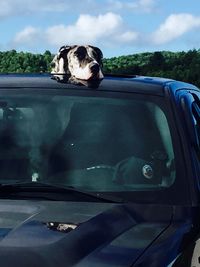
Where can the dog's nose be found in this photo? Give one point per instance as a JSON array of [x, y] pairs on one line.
[[94, 68]]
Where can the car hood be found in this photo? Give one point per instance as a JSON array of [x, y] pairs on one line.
[[48, 233]]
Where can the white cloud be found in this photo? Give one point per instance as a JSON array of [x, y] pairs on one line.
[[29, 36], [146, 5], [107, 29], [128, 37], [25, 7], [10, 8], [175, 26], [5, 8], [137, 5], [91, 29]]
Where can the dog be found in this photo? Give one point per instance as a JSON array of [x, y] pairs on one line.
[[78, 64]]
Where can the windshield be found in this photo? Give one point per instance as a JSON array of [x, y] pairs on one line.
[[96, 144]]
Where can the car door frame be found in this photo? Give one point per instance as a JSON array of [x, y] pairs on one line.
[[190, 108]]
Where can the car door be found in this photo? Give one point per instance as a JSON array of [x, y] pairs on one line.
[[190, 107], [196, 120], [190, 103]]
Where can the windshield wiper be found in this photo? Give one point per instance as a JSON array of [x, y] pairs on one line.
[[7, 190]]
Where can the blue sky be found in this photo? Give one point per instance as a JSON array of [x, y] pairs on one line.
[[118, 27]]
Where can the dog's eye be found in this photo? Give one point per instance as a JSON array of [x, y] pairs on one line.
[[79, 55]]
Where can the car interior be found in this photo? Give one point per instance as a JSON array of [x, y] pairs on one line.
[[95, 144]]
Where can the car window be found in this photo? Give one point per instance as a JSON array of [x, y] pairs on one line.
[[96, 144]]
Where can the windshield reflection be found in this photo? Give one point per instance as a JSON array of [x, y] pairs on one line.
[[95, 144]]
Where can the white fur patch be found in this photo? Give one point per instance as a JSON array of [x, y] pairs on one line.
[[85, 73]]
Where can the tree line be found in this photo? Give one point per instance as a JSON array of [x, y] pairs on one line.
[[24, 62], [184, 66]]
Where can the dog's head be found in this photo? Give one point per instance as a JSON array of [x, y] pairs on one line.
[[80, 62]]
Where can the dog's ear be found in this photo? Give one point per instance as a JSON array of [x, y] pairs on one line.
[[62, 54], [98, 52], [63, 51]]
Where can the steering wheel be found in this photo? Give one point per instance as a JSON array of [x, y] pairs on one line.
[[100, 167]]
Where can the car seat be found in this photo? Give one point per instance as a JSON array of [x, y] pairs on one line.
[[14, 159], [101, 134]]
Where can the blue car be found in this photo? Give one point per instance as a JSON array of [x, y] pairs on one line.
[[103, 175]]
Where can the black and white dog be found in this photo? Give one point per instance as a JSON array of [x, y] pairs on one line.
[[78, 64]]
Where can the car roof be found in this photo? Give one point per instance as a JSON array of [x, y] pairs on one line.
[[113, 83]]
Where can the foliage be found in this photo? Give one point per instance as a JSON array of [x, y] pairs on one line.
[[184, 66], [14, 62]]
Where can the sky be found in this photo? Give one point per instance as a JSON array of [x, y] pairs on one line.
[[117, 27]]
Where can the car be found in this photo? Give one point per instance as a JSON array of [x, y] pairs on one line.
[[99, 175]]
